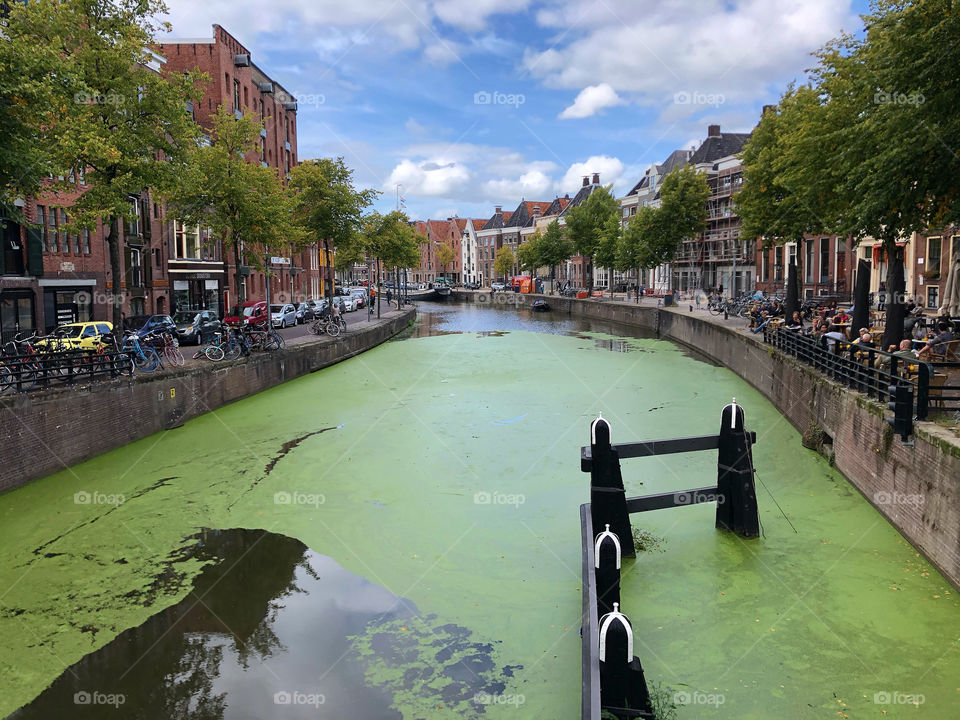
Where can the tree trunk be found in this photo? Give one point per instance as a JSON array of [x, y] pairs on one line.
[[896, 289], [113, 244], [237, 264], [791, 305], [328, 291], [588, 265]]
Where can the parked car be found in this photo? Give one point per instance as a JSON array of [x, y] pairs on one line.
[[305, 312], [283, 315], [195, 328], [471, 286], [348, 303], [360, 295], [251, 312], [145, 324], [498, 286], [76, 336]]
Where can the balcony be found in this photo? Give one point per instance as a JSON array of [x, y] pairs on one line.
[[266, 88], [242, 60]]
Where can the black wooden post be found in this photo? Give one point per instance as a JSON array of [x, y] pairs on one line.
[[622, 683], [608, 501], [607, 555], [736, 492]]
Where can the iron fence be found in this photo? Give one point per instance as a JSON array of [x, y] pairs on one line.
[[24, 372]]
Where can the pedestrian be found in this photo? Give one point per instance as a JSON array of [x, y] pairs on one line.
[[336, 312], [389, 296]]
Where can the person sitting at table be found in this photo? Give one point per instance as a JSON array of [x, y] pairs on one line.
[[905, 352], [841, 317], [865, 338], [797, 322], [942, 338], [831, 337]]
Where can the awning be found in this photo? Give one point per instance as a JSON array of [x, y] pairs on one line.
[[880, 256]]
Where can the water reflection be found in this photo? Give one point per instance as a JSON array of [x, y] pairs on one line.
[[266, 619]]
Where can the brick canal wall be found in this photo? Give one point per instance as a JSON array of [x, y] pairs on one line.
[[916, 488], [43, 432]]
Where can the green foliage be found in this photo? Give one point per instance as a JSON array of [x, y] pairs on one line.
[[662, 701], [113, 118], [504, 262], [654, 235], [326, 204], [390, 238], [243, 203], [605, 254], [587, 223], [443, 254], [529, 253], [545, 249]]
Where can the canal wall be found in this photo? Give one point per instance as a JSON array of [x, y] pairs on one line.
[[917, 488], [47, 431]]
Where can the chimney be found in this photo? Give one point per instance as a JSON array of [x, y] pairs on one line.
[[536, 211], [596, 178], [498, 210], [586, 180], [713, 131]]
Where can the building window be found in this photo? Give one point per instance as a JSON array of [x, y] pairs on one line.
[[246, 96], [288, 161], [186, 241], [42, 222], [86, 241], [764, 265], [136, 269], [934, 246], [263, 150], [236, 95], [54, 234], [808, 261], [933, 296], [824, 259]]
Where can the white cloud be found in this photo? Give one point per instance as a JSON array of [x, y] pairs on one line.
[[415, 128], [473, 14], [428, 178], [609, 168], [591, 100], [442, 53], [736, 49], [531, 185]]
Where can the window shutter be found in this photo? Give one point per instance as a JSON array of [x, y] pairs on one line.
[[34, 252]]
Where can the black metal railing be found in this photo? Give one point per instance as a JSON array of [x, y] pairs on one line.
[[24, 372], [865, 369]]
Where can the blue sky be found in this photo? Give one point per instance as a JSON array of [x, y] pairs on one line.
[[470, 104]]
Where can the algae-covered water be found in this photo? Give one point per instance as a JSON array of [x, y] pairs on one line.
[[397, 536]]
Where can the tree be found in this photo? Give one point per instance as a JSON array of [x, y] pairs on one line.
[[390, 238], [555, 247], [36, 89], [586, 223], [243, 203], [504, 261], [606, 253], [529, 254], [683, 205], [327, 206], [125, 127], [639, 245], [770, 210], [444, 255]]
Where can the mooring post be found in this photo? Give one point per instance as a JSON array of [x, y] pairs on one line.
[[608, 500], [622, 683], [607, 567], [736, 491]]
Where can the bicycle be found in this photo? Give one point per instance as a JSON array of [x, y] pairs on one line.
[[144, 357], [170, 349], [326, 324]]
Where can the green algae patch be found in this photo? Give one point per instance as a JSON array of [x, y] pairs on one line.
[[429, 666]]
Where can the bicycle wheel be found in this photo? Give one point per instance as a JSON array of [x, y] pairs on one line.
[[274, 341], [214, 353], [123, 364], [7, 382], [174, 355], [147, 360], [231, 350], [332, 329]]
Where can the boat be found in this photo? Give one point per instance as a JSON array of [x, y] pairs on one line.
[[441, 288], [540, 305]]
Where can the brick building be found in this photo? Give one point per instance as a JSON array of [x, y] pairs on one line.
[[198, 271], [828, 267]]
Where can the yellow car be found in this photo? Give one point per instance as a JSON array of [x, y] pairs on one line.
[[75, 336]]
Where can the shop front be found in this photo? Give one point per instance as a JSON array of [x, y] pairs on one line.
[[67, 301], [196, 291]]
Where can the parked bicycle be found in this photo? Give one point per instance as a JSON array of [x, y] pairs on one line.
[[325, 325], [166, 346], [144, 357]]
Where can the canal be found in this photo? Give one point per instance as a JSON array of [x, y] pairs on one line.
[[397, 536]]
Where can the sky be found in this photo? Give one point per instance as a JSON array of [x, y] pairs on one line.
[[470, 104]]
